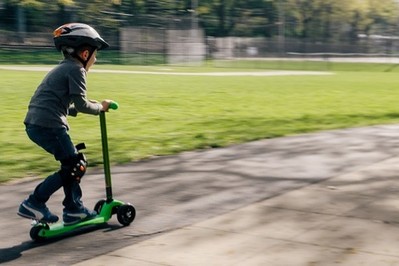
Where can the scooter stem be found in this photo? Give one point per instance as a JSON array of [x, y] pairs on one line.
[[104, 141]]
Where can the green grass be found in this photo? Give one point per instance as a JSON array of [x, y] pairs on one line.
[[165, 114], [37, 56]]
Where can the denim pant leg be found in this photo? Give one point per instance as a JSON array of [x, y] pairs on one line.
[[57, 142]]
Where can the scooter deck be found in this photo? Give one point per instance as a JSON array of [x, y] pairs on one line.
[[52, 230], [46, 230]]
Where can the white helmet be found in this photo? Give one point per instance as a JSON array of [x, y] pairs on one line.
[[78, 34]]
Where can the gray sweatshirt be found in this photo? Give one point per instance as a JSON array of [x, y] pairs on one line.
[[61, 93]]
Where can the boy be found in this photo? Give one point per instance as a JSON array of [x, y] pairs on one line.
[[61, 93]]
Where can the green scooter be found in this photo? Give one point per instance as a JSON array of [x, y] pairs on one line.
[[105, 208]]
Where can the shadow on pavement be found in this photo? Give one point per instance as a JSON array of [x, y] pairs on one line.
[[15, 252]]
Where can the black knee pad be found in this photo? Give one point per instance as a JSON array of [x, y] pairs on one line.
[[79, 168], [73, 169]]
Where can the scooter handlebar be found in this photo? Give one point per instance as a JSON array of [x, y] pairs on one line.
[[113, 105]]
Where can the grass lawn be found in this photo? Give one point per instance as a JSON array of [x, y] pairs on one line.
[[165, 114]]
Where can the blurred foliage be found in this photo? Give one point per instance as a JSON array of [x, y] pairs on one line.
[[332, 20]]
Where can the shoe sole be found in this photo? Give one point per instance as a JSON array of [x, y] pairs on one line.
[[34, 214], [34, 218], [27, 216]]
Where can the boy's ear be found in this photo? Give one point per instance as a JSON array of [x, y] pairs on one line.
[[84, 54]]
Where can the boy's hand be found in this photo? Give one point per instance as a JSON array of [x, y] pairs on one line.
[[105, 104]]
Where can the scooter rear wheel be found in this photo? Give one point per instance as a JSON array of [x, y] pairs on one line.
[[34, 232], [126, 214]]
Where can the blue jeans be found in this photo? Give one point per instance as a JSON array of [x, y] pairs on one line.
[[57, 142]]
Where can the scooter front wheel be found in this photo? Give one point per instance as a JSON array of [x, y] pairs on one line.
[[126, 214]]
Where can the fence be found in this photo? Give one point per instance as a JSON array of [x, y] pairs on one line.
[[147, 46]]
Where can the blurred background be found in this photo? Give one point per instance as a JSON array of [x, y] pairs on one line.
[[215, 32]]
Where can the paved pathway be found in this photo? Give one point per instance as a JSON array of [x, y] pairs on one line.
[[328, 198]]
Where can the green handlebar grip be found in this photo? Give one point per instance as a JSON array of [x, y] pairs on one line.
[[113, 105]]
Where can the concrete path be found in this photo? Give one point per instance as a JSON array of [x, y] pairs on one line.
[[348, 219]]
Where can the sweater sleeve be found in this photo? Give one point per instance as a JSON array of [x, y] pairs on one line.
[[83, 105]]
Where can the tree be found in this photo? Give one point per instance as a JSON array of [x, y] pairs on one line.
[[238, 17], [331, 20], [315, 20], [255, 18], [33, 15]]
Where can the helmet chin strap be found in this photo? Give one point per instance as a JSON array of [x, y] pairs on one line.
[[84, 63]]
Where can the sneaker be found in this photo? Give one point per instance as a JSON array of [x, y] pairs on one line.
[[36, 212], [73, 217]]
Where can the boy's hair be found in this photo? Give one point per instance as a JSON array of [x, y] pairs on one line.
[[74, 52]]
